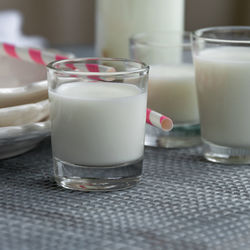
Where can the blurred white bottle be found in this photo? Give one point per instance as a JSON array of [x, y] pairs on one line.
[[118, 20]]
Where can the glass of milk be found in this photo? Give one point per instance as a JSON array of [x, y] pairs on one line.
[[222, 69], [171, 89], [98, 113]]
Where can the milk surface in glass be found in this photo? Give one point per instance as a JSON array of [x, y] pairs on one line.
[[223, 85], [98, 124]]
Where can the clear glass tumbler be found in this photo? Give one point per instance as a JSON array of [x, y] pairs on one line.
[[222, 68], [98, 113], [171, 89]]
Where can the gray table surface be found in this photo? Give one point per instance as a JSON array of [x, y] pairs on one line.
[[182, 202]]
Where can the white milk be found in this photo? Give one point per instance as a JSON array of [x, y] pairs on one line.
[[223, 85], [118, 20], [171, 91], [98, 124]]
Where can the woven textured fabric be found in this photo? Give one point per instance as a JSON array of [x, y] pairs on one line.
[[183, 202]]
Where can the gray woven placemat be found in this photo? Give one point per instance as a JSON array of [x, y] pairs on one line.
[[183, 202]]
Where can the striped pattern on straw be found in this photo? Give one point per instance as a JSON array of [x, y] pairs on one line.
[[44, 57], [158, 120], [29, 54]]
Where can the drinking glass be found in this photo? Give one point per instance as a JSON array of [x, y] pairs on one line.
[[222, 68], [98, 113], [171, 89]]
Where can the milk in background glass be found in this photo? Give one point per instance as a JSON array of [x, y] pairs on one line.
[[97, 124], [222, 76], [171, 88], [223, 85], [171, 91]]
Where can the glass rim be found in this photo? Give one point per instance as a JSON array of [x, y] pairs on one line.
[[136, 38], [198, 34], [51, 66]]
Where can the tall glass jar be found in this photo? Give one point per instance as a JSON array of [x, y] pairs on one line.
[[118, 20]]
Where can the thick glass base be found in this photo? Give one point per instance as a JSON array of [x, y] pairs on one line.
[[97, 178], [179, 137], [226, 155]]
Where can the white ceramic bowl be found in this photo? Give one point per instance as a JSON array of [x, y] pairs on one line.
[[23, 84], [15, 140]]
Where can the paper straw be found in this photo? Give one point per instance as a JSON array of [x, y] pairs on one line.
[[29, 54], [43, 57], [158, 120]]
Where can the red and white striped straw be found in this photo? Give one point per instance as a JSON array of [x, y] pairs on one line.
[[29, 54], [44, 57], [158, 120]]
